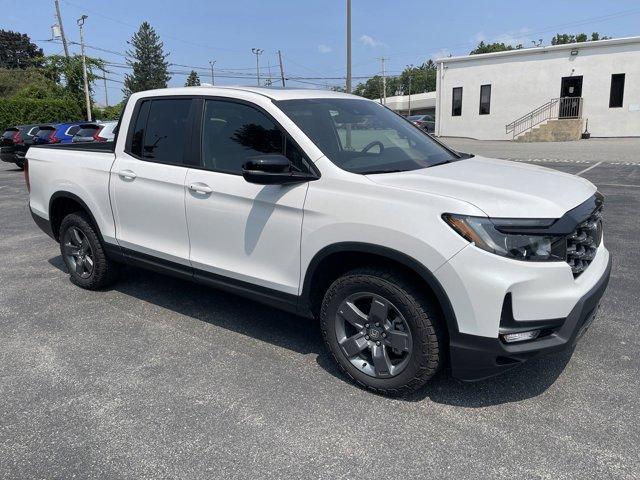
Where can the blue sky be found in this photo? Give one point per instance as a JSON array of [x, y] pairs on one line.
[[311, 33]]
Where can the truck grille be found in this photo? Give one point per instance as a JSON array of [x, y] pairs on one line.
[[584, 241]]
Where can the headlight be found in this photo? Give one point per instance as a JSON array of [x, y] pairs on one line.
[[486, 234]]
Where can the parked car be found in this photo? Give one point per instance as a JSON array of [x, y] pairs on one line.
[[56, 133], [46, 134], [95, 132], [107, 134], [412, 256], [426, 122], [14, 143]]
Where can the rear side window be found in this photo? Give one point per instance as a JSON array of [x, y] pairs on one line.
[[234, 132], [161, 130], [73, 130], [87, 131], [45, 132]]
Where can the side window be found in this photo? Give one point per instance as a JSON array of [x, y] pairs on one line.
[[138, 130], [165, 134], [73, 130], [616, 95], [233, 132], [456, 102], [485, 99]]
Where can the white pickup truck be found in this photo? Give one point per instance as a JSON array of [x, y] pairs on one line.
[[413, 257]]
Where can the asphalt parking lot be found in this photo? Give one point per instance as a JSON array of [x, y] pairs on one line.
[[160, 378]]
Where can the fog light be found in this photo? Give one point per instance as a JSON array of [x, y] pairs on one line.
[[520, 336]]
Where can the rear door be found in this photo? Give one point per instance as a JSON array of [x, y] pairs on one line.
[[238, 229], [147, 180]]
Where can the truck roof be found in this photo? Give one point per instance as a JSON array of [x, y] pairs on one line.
[[274, 93]]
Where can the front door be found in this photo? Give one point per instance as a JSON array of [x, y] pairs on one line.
[[570, 94], [147, 181], [238, 229]]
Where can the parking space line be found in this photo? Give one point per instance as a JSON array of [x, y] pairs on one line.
[[617, 185], [588, 168]]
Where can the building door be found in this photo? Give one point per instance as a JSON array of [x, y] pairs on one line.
[[570, 97]]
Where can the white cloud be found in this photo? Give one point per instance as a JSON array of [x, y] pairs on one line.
[[521, 36], [369, 41], [322, 48], [479, 37], [442, 53]]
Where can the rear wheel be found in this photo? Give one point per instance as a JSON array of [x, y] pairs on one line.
[[382, 331], [83, 253]]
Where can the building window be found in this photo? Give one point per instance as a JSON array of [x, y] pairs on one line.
[[617, 90], [485, 99], [456, 104]]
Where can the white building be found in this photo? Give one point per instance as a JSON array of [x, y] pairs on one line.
[[415, 104], [479, 95]]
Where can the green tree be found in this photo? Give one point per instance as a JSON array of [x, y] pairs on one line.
[[14, 80], [493, 47], [423, 79], [564, 38], [193, 80], [148, 60], [68, 73], [17, 50]]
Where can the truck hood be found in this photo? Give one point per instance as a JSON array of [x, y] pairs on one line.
[[500, 188]]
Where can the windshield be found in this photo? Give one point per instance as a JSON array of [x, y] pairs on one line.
[[362, 136]]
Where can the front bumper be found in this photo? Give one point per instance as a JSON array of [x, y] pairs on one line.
[[476, 357]]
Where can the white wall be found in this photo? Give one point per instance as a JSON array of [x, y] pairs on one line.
[[525, 81]]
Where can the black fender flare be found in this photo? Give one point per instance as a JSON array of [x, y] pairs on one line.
[[77, 199], [391, 254]]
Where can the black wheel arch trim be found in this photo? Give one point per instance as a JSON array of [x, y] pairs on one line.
[[75, 198], [385, 252]]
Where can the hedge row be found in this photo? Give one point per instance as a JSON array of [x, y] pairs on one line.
[[25, 111]]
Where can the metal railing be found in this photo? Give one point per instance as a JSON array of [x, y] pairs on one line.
[[565, 107]]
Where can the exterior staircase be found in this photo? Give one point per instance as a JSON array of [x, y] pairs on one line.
[[558, 120], [559, 130]]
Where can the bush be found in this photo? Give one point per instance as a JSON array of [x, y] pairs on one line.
[[25, 111], [111, 112]]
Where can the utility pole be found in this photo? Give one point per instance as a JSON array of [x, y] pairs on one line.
[[409, 114], [212, 63], [257, 52], [281, 67], [84, 66], [384, 83], [348, 85], [106, 95], [64, 39], [269, 82]]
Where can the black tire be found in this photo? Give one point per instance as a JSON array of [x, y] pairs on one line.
[[425, 328], [103, 271], [20, 165]]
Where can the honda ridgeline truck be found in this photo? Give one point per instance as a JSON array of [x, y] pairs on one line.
[[413, 257]]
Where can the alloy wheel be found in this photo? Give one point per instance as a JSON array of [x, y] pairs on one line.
[[373, 335], [78, 254]]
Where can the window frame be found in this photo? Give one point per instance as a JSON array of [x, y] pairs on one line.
[[488, 104], [624, 78], [453, 100], [197, 141], [187, 148]]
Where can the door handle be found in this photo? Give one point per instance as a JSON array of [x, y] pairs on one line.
[[127, 174], [200, 188]]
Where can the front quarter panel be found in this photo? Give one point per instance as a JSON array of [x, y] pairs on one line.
[[346, 207]]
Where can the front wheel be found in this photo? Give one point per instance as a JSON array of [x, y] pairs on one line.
[[382, 331]]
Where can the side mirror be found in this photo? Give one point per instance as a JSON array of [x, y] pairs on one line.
[[274, 169]]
